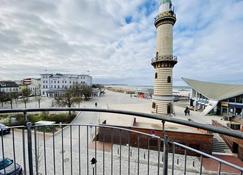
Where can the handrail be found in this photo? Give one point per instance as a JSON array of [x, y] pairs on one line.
[[165, 57], [224, 131], [103, 126], [153, 136], [208, 155]]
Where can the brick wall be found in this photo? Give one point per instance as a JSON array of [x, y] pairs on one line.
[[202, 142], [230, 141]]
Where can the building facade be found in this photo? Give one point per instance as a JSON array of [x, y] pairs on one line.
[[216, 98], [8, 86], [55, 84], [164, 60], [33, 84]]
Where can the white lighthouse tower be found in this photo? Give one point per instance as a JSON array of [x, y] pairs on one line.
[[164, 60]]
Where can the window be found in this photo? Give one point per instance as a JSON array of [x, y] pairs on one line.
[[168, 79], [156, 75], [169, 111], [153, 105]]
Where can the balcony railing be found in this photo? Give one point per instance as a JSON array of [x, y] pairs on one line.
[[102, 149], [163, 58]]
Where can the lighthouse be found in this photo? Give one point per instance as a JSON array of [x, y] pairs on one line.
[[164, 60]]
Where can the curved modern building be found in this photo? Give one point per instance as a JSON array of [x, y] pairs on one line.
[[216, 98], [164, 60]]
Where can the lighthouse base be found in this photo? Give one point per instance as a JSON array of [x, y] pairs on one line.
[[162, 105]]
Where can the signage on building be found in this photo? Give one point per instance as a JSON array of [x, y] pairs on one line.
[[225, 104]]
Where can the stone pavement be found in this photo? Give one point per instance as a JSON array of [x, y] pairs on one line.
[[110, 100]]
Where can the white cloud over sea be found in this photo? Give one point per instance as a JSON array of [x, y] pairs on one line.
[[115, 40]]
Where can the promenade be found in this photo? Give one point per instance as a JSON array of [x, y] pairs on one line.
[[111, 100]]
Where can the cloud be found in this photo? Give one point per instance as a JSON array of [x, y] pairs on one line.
[[115, 40], [208, 43]]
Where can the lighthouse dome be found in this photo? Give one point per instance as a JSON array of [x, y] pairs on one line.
[[165, 1], [166, 5]]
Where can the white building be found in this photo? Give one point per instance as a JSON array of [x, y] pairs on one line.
[[8, 86], [54, 84], [33, 84]]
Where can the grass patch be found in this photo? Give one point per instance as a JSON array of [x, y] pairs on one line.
[[57, 118]]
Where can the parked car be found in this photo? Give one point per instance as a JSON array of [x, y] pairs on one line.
[[4, 129], [10, 167]]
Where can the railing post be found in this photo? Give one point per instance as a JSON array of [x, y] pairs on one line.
[[165, 163], [28, 126], [165, 149], [25, 117]]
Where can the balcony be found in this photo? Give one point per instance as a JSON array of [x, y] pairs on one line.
[[103, 149], [165, 17], [166, 60]]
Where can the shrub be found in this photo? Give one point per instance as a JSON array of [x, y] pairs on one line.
[[58, 118]]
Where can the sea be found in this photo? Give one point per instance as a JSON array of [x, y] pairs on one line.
[[177, 90]]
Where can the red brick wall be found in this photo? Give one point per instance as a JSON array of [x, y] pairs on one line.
[[230, 140], [202, 142]]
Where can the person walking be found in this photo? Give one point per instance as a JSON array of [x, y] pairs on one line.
[[188, 111], [185, 111]]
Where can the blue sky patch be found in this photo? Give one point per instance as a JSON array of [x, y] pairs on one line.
[[128, 19], [148, 7]]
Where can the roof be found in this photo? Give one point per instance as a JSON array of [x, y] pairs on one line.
[[215, 91], [165, 1], [5, 84], [57, 75]]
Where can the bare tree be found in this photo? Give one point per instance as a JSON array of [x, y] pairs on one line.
[[69, 97], [87, 91], [15, 96], [2, 97], [25, 95], [12, 96], [38, 99]]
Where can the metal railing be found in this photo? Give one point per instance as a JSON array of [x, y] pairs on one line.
[[101, 149], [164, 58]]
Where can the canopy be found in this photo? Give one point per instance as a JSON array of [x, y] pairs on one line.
[[215, 91]]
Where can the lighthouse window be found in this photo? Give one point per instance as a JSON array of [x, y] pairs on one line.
[[156, 75], [153, 105], [168, 108], [168, 79]]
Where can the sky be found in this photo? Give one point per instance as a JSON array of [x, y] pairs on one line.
[[114, 40]]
